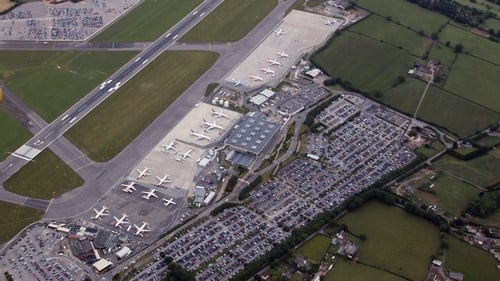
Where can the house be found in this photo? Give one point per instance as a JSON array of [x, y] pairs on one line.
[[301, 263], [456, 276]]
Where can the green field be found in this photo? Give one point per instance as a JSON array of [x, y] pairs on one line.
[[476, 264], [396, 241], [473, 44], [381, 29], [14, 218], [14, 134], [475, 80], [36, 79], [315, 249], [452, 194], [481, 5], [346, 270], [359, 60], [406, 13], [443, 54], [136, 104], [488, 141], [481, 170], [147, 21], [231, 21], [45, 178], [434, 148], [492, 23]]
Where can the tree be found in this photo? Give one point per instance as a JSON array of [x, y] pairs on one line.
[[434, 36], [362, 237], [459, 48]]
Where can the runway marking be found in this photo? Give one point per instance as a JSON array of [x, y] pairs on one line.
[[177, 35], [10, 165], [72, 120], [202, 14], [64, 118], [168, 34], [48, 135], [195, 12], [22, 157]]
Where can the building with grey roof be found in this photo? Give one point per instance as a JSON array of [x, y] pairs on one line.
[[251, 135]]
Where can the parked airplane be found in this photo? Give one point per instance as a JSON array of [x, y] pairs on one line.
[[168, 202], [129, 188], [143, 173], [121, 221], [212, 125], [143, 228], [238, 82], [200, 135], [101, 213], [170, 146], [163, 180], [219, 114], [330, 22], [279, 32], [187, 154], [274, 62], [282, 54], [256, 77], [149, 194], [267, 71]]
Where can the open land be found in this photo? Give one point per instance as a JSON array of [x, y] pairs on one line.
[[406, 13], [232, 20], [137, 103], [16, 136], [434, 148], [348, 270], [314, 250], [33, 179], [489, 141], [15, 218], [445, 55], [6, 4], [452, 194], [482, 5], [492, 23], [51, 82], [147, 21], [396, 241], [476, 264], [482, 170]]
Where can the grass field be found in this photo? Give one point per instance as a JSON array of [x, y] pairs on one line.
[[130, 110], [47, 177], [13, 136], [315, 249], [481, 5], [359, 60], [474, 44], [147, 21], [346, 270], [492, 23], [452, 194], [35, 78], [443, 54], [406, 13], [474, 263], [231, 21], [481, 170], [381, 29], [489, 141], [429, 151], [475, 80], [14, 218], [397, 241]]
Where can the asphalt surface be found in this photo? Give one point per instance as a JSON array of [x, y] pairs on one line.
[[71, 46]]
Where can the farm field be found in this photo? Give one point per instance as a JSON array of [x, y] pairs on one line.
[[452, 194], [14, 218], [147, 21], [476, 264], [51, 82], [474, 44], [475, 80], [347, 56], [489, 141], [482, 170], [230, 21], [347, 270], [443, 54], [434, 148], [315, 249], [492, 23], [481, 5], [45, 178], [14, 134], [406, 13], [396, 241], [136, 104], [380, 28]]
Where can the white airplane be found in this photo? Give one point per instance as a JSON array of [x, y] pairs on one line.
[[212, 125], [330, 22], [186, 155], [163, 180], [129, 188], [279, 32], [121, 221], [282, 54], [143, 173], [200, 135], [267, 71], [238, 82], [170, 146], [149, 194], [256, 77], [168, 202], [143, 228], [101, 213], [274, 62], [219, 114]]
